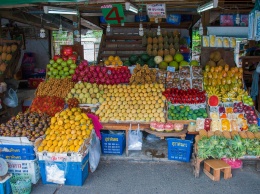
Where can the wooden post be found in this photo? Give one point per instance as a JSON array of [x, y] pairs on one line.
[[205, 21]]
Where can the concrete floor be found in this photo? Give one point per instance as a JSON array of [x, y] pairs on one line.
[[156, 177]]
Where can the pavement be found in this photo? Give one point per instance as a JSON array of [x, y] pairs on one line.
[[121, 176]]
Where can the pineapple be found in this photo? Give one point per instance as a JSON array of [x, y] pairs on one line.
[[203, 133], [234, 133], [257, 135], [210, 134], [218, 133], [242, 134], [250, 135], [197, 138], [226, 134]]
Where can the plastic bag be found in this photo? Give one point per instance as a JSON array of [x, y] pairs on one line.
[[135, 139], [94, 153], [56, 172], [152, 138], [11, 99]]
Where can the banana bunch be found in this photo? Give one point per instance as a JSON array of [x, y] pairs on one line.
[[211, 90]]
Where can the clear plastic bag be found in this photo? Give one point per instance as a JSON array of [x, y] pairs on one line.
[[11, 99], [94, 153], [56, 172], [135, 139]]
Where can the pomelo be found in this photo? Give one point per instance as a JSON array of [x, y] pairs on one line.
[[194, 63], [178, 57], [174, 64], [168, 58], [158, 59], [163, 65], [184, 63]]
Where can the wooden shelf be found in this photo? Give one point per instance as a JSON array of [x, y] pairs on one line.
[[123, 49]]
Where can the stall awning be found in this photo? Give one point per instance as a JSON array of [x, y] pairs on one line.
[[20, 2]]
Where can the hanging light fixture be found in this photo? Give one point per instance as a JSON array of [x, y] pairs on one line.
[[42, 30], [210, 5], [201, 29], [108, 27], [60, 28], [141, 29], [158, 30]]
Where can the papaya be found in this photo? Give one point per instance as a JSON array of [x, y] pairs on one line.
[[4, 48], [8, 57], [4, 56]]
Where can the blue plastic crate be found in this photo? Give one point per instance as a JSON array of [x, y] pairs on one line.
[[15, 156], [113, 143], [179, 149], [18, 149], [76, 175], [5, 186]]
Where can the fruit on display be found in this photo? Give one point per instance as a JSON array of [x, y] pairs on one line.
[[175, 60], [60, 68], [87, 93], [223, 77], [158, 59], [47, 104], [247, 100], [253, 128], [101, 75], [72, 103], [227, 95], [67, 132], [250, 114], [55, 87], [190, 96], [142, 75], [185, 112], [227, 144], [28, 124], [213, 100], [166, 127], [113, 61], [142, 103], [194, 63], [141, 59], [6, 54]]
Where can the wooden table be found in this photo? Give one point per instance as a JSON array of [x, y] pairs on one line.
[[143, 127]]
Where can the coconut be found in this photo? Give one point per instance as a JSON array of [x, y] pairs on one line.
[[211, 63], [221, 62], [217, 56]]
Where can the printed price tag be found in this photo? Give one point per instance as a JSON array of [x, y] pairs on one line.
[[113, 13], [171, 69]]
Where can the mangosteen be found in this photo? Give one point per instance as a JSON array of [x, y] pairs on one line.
[[42, 132], [32, 139]]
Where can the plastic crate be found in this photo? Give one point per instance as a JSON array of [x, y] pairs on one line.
[[179, 149], [113, 143], [5, 186], [34, 82], [76, 175], [30, 167], [17, 152]]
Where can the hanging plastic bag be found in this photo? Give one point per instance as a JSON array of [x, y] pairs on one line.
[[56, 172], [11, 99], [94, 153], [135, 139]]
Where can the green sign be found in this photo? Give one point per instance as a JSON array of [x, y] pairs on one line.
[[113, 13]]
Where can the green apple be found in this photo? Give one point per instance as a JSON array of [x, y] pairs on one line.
[[66, 73], [64, 64], [49, 73], [71, 71], [55, 65], [59, 67], [48, 66], [57, 76], [66, 69], [61, 72], [55, 72], [59, 60], [73, 66], [69, 61], [51, 69], [69, 76], [52, 61]]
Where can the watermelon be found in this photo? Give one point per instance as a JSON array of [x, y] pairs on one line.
[[127, 63], [213, 100], [145, 57], [133, 59]]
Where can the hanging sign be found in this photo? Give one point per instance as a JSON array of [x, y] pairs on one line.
[[157, 10], [113, 13]]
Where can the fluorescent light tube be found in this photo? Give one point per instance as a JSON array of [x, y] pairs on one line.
[[207, 6], [59, 10], [131, 7]]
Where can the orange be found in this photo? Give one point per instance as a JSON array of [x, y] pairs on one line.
[[84, 133], [76, 149], [55, 143], [107, 62], [80, 142], [44, 142], [77, 123], [69, 136], [72, 147], [74, 136], [76, 142], [51, 149], [40, 148], [111, 58], [46, 148], [73, 131], [68, 131]]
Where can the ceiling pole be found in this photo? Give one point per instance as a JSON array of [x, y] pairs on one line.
[[205, 18]]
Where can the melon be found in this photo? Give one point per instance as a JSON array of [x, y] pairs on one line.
[[168, 58], [213, 100], [163, 65]]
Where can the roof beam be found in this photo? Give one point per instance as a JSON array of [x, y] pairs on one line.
[[84, 22]]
